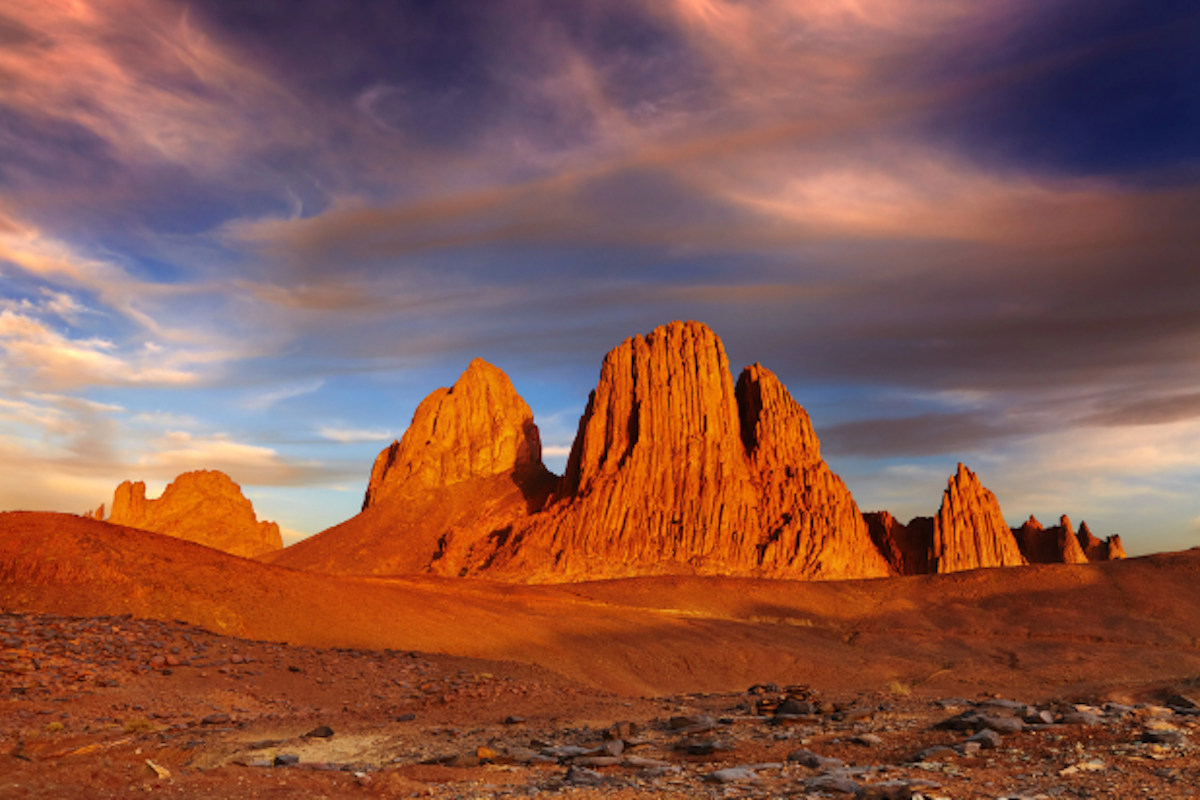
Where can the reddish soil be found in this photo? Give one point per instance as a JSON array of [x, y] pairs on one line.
[[570, 659]]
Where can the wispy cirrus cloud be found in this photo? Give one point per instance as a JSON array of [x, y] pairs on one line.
[[354, 435]]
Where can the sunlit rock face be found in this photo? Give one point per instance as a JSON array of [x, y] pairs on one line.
[[676, 470], [479, 428], [969, 531], [442, 498], [205, 507]]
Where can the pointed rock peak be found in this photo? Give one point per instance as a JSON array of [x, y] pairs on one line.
[[477, 428], [969, 530], [1064, 522], [1033, 524], [774, 428]]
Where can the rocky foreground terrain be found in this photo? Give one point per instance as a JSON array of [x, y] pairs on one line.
[[102, 707]]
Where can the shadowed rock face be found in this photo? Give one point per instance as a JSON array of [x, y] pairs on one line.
[[907, 548], [969, 531], [1109, 549], [675, 471], [1054, 545], [205, 507]]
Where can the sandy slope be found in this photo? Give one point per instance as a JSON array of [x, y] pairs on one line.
[[1039, 630]]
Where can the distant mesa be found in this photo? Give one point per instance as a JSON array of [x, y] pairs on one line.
[[675, 470], [205, 507]]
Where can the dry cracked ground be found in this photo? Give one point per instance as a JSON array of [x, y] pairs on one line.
[[105, 707]]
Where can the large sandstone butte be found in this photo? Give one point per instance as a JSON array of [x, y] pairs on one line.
[[205, 507], [673, 471], [676, 471], [468, 467]]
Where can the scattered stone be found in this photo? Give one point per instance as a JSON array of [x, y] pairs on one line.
[[513, 720], [1171, 737], [987, 739], [835, 784], [1087, 718], [897, 790], [286, 760], [613, 747], [867, 740], [581, 776], [622, 730], [808, 758], [216, 719], [1095, 765], [158, 770], [322, 732], [731, 775]]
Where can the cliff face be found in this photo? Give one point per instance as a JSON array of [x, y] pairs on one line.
[[1054, 545], [468, 467], [969, 530], [205, 507], [675, 471]]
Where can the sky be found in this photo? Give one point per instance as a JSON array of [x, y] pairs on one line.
[[251, 235]]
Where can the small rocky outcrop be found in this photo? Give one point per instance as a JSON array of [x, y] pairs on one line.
[[969, 531], [1096, 549], [1054, 545], [205, 507]]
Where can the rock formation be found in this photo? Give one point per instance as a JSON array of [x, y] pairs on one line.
[[480, 428], [205, 507], [969, 531], [1055, 545], [468, 467], [675, 471], [1095, 549]]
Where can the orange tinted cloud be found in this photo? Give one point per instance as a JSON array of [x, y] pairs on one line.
[[140, 75]]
